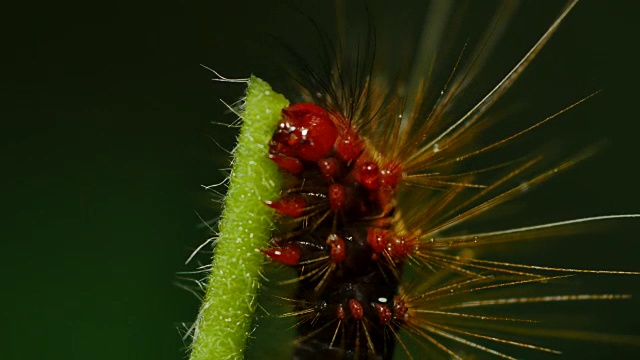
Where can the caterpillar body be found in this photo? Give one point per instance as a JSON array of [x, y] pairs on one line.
[[398, 177]]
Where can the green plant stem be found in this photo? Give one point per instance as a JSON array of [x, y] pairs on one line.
[[226, 314]]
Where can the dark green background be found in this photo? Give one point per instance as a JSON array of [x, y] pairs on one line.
[[106, 126]]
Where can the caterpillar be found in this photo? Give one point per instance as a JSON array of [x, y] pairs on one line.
[[396, 191]]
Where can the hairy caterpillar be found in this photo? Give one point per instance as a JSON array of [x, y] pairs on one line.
[[432, 149]]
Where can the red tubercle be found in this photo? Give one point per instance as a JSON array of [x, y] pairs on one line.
[[288, 254], [338, 250], [391, 175], [357, 311], [330, 167], [367, 174], [287, 163], [401, 247], [349, 145], [292, 205], [384, 313], [306, 132], [377, 239], [337, 196]]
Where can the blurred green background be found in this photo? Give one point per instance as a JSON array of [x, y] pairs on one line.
[[107, 137]]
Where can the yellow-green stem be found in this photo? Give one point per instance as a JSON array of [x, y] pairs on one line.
[[224, 322]]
